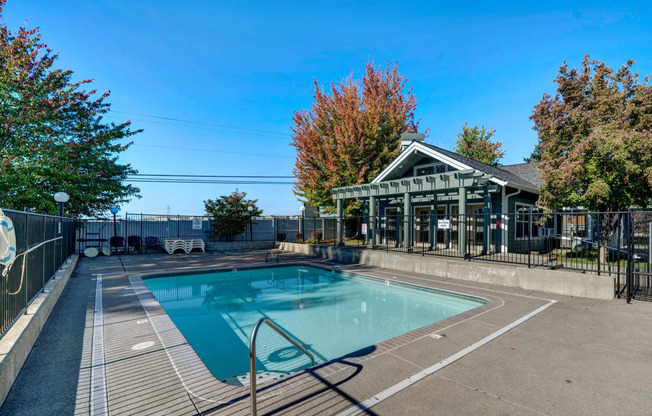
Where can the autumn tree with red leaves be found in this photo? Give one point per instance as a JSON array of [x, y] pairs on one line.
[[350, 134], [52, 136]]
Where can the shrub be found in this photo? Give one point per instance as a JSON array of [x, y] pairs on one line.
[[230, 215], [280, 237], [316, 235], [298, 236]]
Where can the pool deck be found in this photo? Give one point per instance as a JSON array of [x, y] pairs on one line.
[[576, 356]]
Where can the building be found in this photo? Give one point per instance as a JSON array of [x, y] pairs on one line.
[[427, 194]]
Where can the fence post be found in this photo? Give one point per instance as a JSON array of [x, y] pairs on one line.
[[142, 237], [529, 238], [620, 226], [25, 259], [43, 250], [629, 279], [421, 234], [649, 241], [386, 234], [467, 230], [599, 241]]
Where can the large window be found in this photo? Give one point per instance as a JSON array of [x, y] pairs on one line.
[[527, 225], [430, 169]]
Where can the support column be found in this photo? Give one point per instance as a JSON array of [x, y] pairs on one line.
[[407, 215], [461, 222], [398, 241], [340, 223], [486, 230], [371, 225], [365, 219], [433, 222]]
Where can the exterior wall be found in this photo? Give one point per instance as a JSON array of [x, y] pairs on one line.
[[521, 245], [495, 236]]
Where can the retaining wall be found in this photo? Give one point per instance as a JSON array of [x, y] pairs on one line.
[[239, 245], [17, 342], [561, 282]]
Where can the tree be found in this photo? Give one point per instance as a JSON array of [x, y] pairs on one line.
[[52, 136], [230, 215], [595, 136], [475, 143], [351, 134], [535, 156]]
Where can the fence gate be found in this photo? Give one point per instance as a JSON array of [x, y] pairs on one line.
[[639, 267]]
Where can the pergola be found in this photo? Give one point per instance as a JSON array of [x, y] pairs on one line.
[[455, 185]]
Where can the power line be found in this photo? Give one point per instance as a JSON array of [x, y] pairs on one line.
[[211, 176], [214, 182], [203, 123], [211, 151], [276, 135]]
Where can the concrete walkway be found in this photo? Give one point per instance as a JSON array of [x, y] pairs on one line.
[[577, 357]]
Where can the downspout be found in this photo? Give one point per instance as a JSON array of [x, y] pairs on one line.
[[505, 209]]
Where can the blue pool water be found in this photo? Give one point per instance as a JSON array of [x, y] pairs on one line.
[[334, 314]]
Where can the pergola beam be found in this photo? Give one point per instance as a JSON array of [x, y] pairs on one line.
[[423, 184]]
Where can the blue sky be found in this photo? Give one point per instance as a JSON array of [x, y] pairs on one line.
[[251, 65]]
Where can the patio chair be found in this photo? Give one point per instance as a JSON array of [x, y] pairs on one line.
[[117, 244], [135, 242], [153, 242]]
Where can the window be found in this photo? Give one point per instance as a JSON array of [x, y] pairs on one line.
[[429, 169], [523, 221]]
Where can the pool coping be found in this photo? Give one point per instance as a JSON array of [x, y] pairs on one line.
[[200, 383]]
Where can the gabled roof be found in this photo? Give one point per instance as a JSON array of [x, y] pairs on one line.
[[500, 175], [527, 171]]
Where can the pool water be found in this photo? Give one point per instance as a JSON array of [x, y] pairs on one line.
[[332, 314]]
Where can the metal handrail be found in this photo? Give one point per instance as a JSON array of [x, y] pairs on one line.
[[270, 254], [252, 355]]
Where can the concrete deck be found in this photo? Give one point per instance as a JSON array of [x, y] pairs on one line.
[[578, 356]]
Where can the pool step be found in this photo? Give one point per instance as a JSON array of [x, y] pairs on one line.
[[262, 377]]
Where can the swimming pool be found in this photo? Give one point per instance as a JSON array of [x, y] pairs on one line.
[[334, 314]]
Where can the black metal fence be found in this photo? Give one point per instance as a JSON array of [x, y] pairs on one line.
[[143, 233], [617, 244], [589, 242], [613, 243], [639, 284], [43, 243]]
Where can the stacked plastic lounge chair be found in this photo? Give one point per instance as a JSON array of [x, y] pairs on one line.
[[196, 243], [172, 245]]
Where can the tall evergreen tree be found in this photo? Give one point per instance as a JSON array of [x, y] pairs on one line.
[[475, 143]]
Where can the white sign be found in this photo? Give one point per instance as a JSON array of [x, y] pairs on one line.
[[444, 224], [364, 229], [196, 223]]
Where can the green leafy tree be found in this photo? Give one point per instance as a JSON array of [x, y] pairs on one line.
[[230, 215], [595, 136], [350, 134], [535, 156], [52, 136], [475, 143]]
